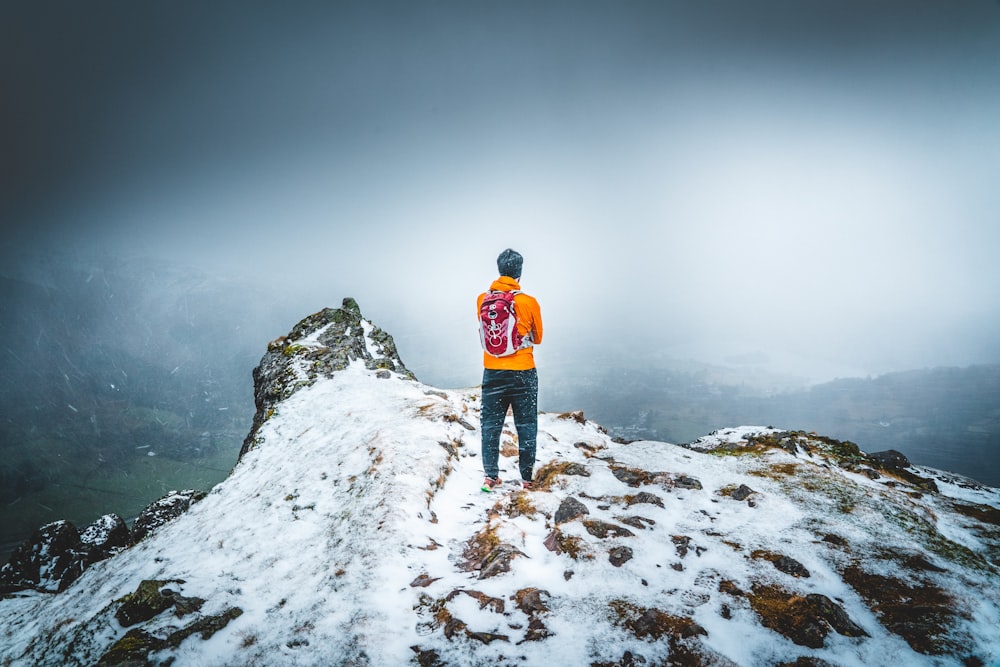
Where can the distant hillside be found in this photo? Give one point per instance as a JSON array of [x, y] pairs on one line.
[[120, 381], [947, 418]]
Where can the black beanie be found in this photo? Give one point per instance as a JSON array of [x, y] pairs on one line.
[[509, 264]]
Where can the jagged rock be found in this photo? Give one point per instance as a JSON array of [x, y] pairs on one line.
[[782, 563], [890, 458], [618, 556], [574, 468], [896, 464], [687, 482], [569, 509], [131, 650], [134, 648], [603, 529], [206, 626], [654, 623], [105, 537], [498, 561], [639, 522], [644, 497], [571, 545], [806, 620], [529, 600], [49, 561], [631, 476], [487, 637], [317, 347], [57, 554], [169, 507], [835, 615], [742, 492], [423, 581], [149, 599]]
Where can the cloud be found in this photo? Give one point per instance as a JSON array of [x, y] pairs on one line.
[[714, 180]]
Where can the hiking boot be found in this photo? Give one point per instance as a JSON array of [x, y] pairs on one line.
[[526, 485], [491, 483]]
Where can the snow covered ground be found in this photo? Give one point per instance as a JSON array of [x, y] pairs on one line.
[[342, 536]]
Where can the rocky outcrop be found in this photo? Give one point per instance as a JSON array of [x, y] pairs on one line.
[[151, 599], [167, 508], [355, 533], [317, 347], [50, 560], [57, 553]]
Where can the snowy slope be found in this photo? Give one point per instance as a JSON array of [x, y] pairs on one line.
[[354, 532]]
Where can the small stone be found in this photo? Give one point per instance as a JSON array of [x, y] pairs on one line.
[[498, 561], [569, 509], [529, 600], [639, 522], [685, 482], [603, 529], [791, 566], [423, 581], [619, 556], [644, 498], [681, 543]]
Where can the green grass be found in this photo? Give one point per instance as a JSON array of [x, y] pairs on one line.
[[81, 494]]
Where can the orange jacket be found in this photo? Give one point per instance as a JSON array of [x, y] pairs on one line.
[[529, 321]]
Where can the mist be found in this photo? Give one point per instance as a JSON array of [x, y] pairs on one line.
[[718, 203], [811, 183]]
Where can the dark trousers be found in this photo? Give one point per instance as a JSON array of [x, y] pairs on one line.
[[519, 391]]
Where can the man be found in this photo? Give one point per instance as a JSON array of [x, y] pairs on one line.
[[511, 380]]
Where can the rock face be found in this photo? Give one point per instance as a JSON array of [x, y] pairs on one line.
[[165, 509], [50, 560], [353, 532], [57, 554], [317, 347]]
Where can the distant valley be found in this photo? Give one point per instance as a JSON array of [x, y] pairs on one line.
[[947, 418], [125, 380]]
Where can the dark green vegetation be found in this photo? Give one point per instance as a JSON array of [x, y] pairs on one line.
[[947, 418], [119, 383]]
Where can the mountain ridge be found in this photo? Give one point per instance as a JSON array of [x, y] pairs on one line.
[[352, 532]]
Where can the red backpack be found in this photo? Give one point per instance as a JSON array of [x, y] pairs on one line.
[[498, 324]]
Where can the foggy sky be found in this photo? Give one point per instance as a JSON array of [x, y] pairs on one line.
[[814, 183]]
